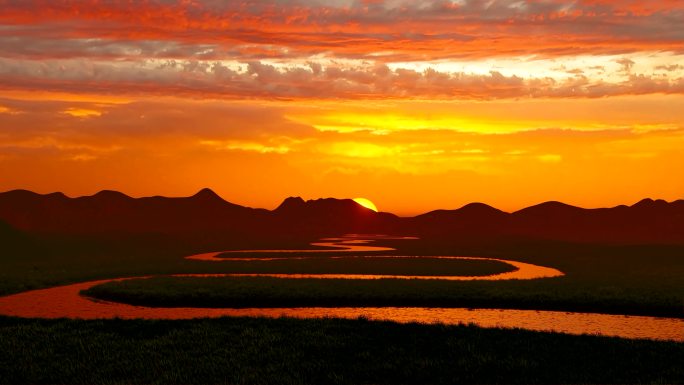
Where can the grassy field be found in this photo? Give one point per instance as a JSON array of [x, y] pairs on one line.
[[289, 351], [547, 294], [629, 280], [370, 265], [23, 270], [638, 280], [40, 262], [611, 279]]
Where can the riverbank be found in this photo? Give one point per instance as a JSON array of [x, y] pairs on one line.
[[558, 293]]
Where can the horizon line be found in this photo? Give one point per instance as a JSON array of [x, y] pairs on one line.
[[210, 190]]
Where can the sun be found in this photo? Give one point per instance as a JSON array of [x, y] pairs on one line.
[[366, 203]]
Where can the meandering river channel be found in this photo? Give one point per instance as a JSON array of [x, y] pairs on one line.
[[67, 302]]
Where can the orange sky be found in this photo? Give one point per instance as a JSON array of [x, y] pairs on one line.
[[414, 105]]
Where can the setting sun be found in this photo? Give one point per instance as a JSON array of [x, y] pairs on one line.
[[366, 203]]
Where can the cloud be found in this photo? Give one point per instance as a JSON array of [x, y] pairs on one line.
[[340, 49], [387, 30], [88, 131], [670, 67], [255, 80], [626, 64], [435, 130]]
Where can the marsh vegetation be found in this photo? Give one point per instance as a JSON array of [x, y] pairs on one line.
[[330, 351], [543, 294]]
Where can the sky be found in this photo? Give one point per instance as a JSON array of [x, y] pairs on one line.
[[415, 105]]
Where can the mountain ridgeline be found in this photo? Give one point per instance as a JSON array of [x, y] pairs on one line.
[[205, 214]]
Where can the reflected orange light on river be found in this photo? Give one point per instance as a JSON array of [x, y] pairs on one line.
[[65, 301], [358, 243], [522, 270], [348, 243]]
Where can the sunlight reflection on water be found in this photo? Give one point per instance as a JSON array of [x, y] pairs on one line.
[[66, 301]]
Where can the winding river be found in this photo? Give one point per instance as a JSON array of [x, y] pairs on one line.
[[67, 302], [349, 243]]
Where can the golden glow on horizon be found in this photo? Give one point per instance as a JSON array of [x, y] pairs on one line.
[[366, 203], [384, 123], [253, 154], [165, 99]]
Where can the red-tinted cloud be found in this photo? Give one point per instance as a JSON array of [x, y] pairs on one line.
[[183, 47], [400, 30]]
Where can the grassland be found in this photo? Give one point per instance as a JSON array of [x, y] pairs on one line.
[[79, 260], [548, 294], [642, 280], [625, 279], [326, 351], [370, 265], [628, 279], [638, 280]]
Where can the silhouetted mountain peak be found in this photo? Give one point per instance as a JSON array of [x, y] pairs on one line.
[[322, 206], [479, 208], [470, 214], [650, 203], [291, 203], [207, 194], [20, 193], [549, 208], [643, 202], [22, 197], [56, 195], [206, 214], [110, 194], [335, 205]]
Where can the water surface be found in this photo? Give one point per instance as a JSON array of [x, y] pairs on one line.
[[66, 302], [522, 270], [350, 243]]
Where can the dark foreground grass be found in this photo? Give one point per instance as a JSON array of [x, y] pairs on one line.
[[323, 351], [544, 294]]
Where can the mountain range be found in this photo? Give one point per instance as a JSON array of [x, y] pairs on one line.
[[206, 214]]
